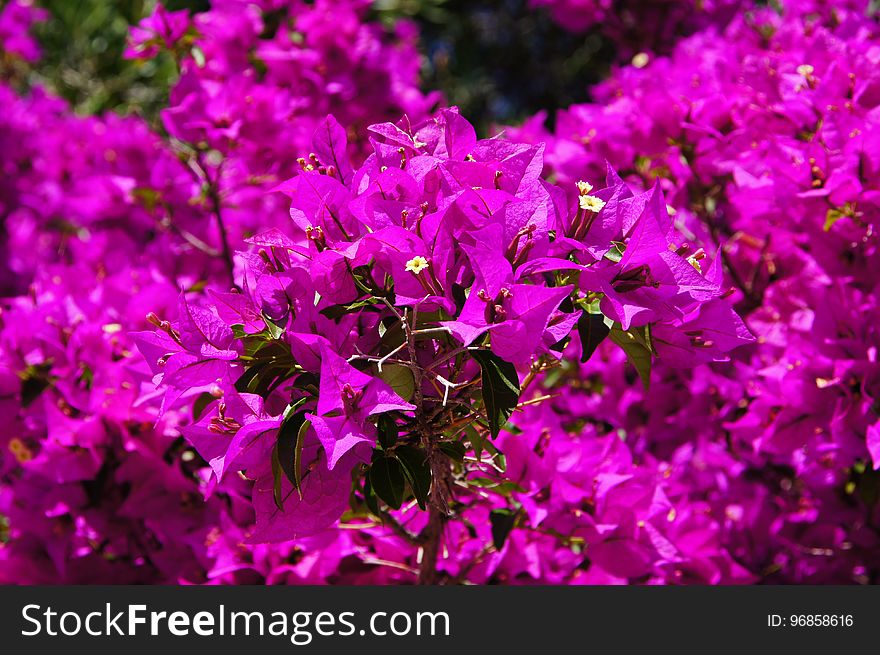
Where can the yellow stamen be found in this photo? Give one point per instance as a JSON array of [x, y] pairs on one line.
[[21, 452]]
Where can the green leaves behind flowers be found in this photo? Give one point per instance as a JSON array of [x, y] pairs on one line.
[[500, 388], [392, 471], [636, 343]]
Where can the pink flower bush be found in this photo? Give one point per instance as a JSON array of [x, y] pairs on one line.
[[282, 340], [390, 329], [763, 140], [251, 94], [102, 222]]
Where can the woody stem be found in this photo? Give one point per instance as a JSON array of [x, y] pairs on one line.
[[438, 510]]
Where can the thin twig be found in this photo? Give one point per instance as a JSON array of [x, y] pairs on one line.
[[389, 521], [197, 166]]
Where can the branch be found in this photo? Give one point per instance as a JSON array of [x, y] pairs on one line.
[[389, 521], [438, 507], [216, 208], [200, 172]]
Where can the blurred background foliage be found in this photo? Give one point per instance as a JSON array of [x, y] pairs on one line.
[[82, 61], [495, 59], [499, 61]]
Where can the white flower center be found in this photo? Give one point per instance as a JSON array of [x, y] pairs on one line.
[[417, 264], [591, 203], [584, 187], [805, 70]]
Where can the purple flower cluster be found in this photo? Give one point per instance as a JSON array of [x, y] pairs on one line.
[[257, 78], [282, 340], [103, 221], [90, 489], [764, 139], [16, 19], [378, 336]]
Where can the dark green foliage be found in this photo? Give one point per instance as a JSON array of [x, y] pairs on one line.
[[387, 480], [592, 331], [499, 61], [502, 521], [82, 61], [500, 387]]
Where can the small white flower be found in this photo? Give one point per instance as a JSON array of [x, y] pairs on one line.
[[805, 70], [591, 203], [417, 264], [584, 187], [641, 60]]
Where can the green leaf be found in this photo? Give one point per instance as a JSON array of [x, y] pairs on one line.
[[278, 376], [334, 312], [867, 485], [453, 449], [297, 456], [616, 253], [560, 345], [292, 407], [289, 445], [276, 478], [500, 388], [399, 378], [149, 198], [370, 498], [388, 481], [305, 380], [502, 522], [417, 471], [272, 366], [459, 296], [391, 333], [497, 456], [245, 379], [275, 330], [201, 403], [643, 334], [636, 343], [261, 346], [475, 439], [86, 377], [34, 381], [362, 279], [592, 331], [831, 217], [500, 487], [388, 431]]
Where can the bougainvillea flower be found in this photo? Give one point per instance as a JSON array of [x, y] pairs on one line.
[[347, 398]]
